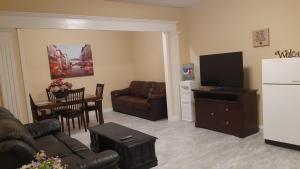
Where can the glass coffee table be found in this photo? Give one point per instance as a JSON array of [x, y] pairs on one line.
[[136, 149]]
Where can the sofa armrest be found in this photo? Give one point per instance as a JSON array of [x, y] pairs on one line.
[[122, 92], [15, 153], [106, 160], [43, 128]]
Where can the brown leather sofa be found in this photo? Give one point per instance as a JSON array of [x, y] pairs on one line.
[[142, 99]]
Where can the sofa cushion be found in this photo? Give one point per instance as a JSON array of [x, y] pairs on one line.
[[157, 88], [134, 102], [61, 145], [145, 90], [62, 136], [72, 160], [45, 140], [139, 89], [71, 151], [44, 127], [73, 144], [55, 149]]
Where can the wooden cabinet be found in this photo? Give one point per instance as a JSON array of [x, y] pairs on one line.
[[232, 112]]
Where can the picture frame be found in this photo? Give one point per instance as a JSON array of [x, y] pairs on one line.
[[188, 71], [261, 37], [68, 61]]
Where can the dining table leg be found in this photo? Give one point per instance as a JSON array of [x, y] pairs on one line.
[[100, 113]]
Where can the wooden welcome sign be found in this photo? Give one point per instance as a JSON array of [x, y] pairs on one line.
[[288, 53]]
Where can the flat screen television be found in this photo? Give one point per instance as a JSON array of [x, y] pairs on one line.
[[222, 70]]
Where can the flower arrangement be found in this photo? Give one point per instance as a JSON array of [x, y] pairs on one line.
[[59, 85], [43, 162]]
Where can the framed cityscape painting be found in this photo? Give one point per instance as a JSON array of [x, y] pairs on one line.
[[66, 61]]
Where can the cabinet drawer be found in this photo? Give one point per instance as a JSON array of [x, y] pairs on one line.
[[206, 114], [230, 117], [231, 108]]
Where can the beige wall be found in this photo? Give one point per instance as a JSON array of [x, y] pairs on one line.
[[118, 57], [102, 8], [224, 26], [148, 56], [111, 52]]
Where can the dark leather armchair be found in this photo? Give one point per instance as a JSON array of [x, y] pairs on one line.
[[19, 143], [142, 99]]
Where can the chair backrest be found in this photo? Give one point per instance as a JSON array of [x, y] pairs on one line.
[[52, 98], [75, 99], [50, 95], [99, 90], [34, 109]]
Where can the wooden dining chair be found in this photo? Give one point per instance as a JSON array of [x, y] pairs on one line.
[[95, 106], [50, 95], [39, 115], [60, 109], [74, 108], [52, 98]]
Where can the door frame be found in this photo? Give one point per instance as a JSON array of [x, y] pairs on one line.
[[170, 38], [9, 84]]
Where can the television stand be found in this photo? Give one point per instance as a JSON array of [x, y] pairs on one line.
[[227, 111], [227, 89]]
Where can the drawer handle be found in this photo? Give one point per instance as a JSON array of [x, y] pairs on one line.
[[226, 109], [212, 114], [227, 123]]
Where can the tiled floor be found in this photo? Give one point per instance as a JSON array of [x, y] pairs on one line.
[[182, 146]]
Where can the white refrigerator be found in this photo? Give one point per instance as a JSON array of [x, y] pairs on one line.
[[281, 101]]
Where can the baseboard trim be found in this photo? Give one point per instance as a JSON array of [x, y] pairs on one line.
[[107, 110], [284, 145]]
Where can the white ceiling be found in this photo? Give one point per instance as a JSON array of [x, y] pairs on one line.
[[172, 3]]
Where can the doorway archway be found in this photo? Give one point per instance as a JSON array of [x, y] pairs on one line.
[[13, 20]]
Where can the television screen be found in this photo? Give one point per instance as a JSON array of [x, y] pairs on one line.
[[222, 70]]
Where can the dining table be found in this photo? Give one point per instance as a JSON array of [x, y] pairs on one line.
[[46, 104]]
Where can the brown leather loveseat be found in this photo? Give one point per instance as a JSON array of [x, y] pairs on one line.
[[142, 99]]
